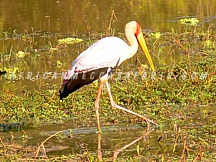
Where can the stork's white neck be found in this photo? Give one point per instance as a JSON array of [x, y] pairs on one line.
[[130, 29]]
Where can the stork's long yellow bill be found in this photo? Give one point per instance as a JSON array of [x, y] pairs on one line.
[[145, 50]]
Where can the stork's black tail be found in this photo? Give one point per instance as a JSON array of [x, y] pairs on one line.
[[80, 79]]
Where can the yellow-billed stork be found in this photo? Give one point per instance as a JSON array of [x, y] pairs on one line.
[[100, 60]]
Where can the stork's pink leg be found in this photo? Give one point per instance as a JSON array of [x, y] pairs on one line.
[[124, 109], [99, 153], [97, 104]]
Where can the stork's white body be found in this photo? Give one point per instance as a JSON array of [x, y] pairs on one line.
[[107, 52]]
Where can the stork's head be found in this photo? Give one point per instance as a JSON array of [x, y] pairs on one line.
[[137, 30]]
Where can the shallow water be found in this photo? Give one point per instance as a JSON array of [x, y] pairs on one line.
[[194, 125]]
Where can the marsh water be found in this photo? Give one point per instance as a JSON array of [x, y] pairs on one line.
[[34, 27]]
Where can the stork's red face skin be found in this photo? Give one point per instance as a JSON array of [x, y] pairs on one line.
[[138, 30]]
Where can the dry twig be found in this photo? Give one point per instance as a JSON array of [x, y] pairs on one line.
[[110, 22], [42, 144]]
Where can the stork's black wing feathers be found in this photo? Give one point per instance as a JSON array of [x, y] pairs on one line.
[[80, 79]]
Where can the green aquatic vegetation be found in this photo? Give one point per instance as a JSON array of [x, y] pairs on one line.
[[156, 35], [20, 54], [189, 21], [11, 73], [179, 84], [59, 64], [209, 44], [69, 40]]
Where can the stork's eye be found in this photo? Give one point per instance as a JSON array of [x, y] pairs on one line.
[[139, 28]]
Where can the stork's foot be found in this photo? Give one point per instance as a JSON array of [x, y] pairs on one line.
[[148, 121]]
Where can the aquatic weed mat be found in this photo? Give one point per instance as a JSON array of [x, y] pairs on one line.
[[179, 97], [185, 83]]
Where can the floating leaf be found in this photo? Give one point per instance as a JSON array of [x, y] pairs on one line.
[[189, 21], [69, 40], [20, 54], [59, 64], [53, 49]]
